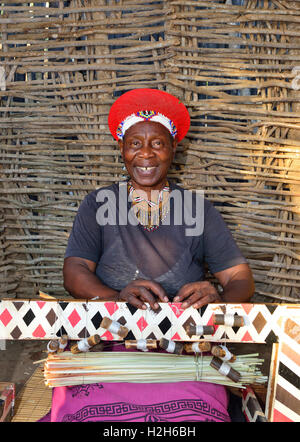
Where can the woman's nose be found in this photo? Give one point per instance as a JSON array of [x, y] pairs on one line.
[[146, 150]]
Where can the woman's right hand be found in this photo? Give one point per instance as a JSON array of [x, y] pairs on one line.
[[139, 291]]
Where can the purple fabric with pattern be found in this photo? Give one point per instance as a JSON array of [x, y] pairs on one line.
[[127, 402], [139, 402]]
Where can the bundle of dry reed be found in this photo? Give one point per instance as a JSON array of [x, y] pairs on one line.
[[67, 369]]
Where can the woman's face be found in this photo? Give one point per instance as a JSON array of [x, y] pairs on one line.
[[148, 150]]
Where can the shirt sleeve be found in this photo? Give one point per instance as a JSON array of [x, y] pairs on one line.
[[220, 249], [85, 240]]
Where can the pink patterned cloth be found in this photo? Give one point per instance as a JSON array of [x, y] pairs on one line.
[[139, 402], [129, 402]]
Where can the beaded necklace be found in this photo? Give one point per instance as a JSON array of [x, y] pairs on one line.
[[150, 213]]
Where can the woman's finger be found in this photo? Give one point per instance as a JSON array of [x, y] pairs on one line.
[[188, 302], [183, 293], [207, 298], [145, 294], [201, 302], [202, 288], [202, 295], [155, 288], [134, 300], [138, 295]]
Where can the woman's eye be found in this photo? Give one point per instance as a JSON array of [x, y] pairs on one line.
[[136, 143], [156, 143]]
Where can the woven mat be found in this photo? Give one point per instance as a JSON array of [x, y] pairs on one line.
[[34, 400]]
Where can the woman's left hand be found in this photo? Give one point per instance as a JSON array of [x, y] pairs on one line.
[[197, 294]]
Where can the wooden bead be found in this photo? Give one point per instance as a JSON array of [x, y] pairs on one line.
[[114, 327], [223, 353], [171, 346], [197, 347], [85, 344], [225, 369], [229, 320], [141, 344], [200, 330]]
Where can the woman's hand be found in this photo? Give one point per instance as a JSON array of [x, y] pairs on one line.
[[139, 291], [197, 294]]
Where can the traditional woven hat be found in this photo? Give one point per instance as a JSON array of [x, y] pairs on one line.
[[152, 105]]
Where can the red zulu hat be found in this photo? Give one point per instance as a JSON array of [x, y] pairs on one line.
[[152, 105]]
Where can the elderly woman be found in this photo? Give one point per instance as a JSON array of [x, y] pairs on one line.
[[145, 264], [152, 260]]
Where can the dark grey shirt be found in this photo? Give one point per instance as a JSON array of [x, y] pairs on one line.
[[166, 255]]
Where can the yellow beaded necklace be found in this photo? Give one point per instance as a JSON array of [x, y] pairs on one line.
[[150, 213]]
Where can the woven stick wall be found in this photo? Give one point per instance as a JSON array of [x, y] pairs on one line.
[[234, 66]]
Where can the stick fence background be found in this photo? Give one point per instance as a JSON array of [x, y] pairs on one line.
[[234, 63]]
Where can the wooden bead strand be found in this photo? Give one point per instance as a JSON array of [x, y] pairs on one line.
[[114, 327], [222, 352], [52, 346], [197, 347], [171, 346], [200, 330], [85, 344], [225, 369], [229, 320], [141, 344], [62, 343]]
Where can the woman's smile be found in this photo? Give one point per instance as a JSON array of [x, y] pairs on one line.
[[145, 168], [145, 171]]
